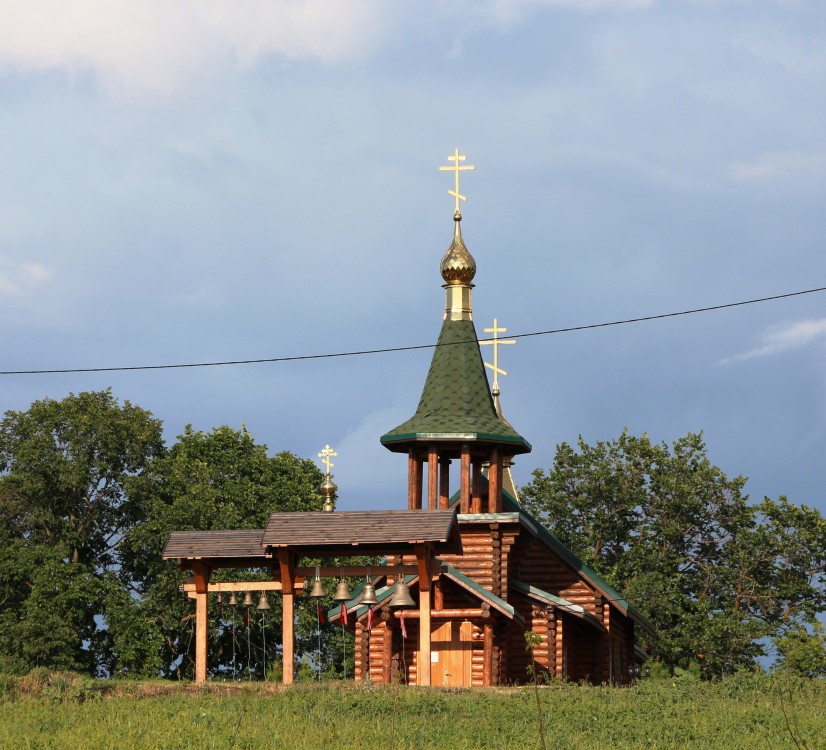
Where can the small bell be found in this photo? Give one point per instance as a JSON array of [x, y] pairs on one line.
[[248, 600], [343, 592], [233, 600], [317, 590], [368, 594], [263, 602], [401, 595]]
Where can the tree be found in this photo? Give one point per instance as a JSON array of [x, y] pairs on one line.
[[210, 480], [714, 573], [64, 466]]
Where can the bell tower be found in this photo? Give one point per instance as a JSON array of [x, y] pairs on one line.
[[456, 419]]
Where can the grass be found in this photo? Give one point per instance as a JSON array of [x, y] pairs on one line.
[[744, 711]]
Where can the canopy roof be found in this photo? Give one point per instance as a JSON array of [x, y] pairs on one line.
[[456, 404]]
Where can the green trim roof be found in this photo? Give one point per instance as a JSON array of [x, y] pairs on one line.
[[456, 403], [512, 505], [468, 583], [544, 596]]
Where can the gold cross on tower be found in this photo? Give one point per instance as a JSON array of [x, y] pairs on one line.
[[326, 453], [456, 157], [496, 341]]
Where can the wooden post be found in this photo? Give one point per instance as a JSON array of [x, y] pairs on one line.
[[464, 481], [487, 662], [423, 665], [495, 481], [444, 483], [201, 571], [387, 646], [559, 649], [285, 561], [432, 477], [476, 491], [414, 481]]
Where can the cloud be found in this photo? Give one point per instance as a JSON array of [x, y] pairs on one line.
[[158, 46], [779, 165], [19, 278], [782, 338]]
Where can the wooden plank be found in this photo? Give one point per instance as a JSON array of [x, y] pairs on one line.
[[456, 613]]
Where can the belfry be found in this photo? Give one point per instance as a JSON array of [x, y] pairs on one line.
[[466, 570]]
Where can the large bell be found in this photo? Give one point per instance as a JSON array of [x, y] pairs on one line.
[[233, 600], [343, 592], [263, 602], [401, 595], [317, 590], [248, 602], [368, 594]]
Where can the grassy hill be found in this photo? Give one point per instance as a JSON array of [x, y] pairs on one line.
[[744, 711]]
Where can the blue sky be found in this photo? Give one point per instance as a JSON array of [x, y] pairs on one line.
[[213, 180]]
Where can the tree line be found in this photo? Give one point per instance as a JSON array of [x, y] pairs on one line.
[[89, 493]]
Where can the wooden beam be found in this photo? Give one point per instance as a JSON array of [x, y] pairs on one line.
[[476, 487], [464, 480], [423, 554], [201, 571], [466, 613], [487, 654], [387, 656], [423, 664], [444, 483], [414, 481], [495, 481], [286, 562], [432, 477]]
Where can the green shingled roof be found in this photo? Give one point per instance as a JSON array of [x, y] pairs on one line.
[[456, 401]]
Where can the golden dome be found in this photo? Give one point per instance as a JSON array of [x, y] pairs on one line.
[[458, 267]]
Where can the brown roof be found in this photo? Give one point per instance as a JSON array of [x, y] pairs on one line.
[[232, 543], [383, 530]]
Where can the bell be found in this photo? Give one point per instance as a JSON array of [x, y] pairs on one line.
[[368, 594], [233, 600], [317, 590], [401, 595], [248, 600], [263, 602], [343, 592]]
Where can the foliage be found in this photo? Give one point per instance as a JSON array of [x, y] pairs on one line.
[[212, 480], [743, 711], [64, 467], [802, 651], [668, 529]]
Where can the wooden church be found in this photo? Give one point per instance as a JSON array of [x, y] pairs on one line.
[[466, 574]]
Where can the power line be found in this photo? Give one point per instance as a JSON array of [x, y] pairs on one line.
[[388, 350]]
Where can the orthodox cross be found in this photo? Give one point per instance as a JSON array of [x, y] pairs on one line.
[[456, 157], [496, 342], [326, 453]]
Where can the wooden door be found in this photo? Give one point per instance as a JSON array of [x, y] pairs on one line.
[[450, 654]]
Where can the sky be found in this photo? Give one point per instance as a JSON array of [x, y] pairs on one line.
[[206, 180]]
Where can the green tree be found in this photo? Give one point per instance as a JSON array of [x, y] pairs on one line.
[[211, 480], [64, 511], [802, 651], [714, 573]]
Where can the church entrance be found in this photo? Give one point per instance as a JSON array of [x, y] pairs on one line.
[[450, 654]]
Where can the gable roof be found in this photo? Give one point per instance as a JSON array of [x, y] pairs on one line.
[[456, 403]]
